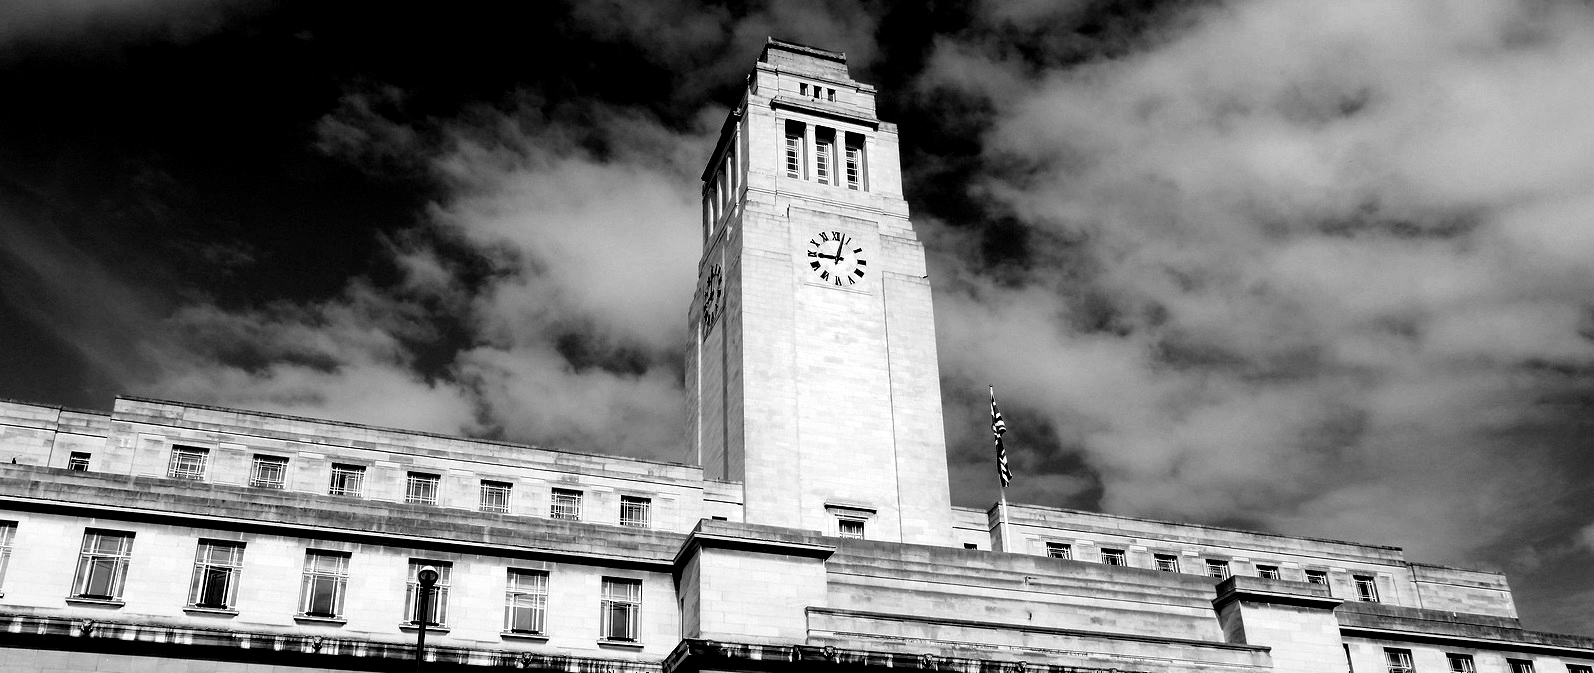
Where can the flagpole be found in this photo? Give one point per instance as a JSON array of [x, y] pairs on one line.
[[998, 428], [1003, 510]]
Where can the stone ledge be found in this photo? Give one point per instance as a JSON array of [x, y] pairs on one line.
[[694, 655], [1274, 591], [161, 638]]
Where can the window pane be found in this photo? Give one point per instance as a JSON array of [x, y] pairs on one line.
[[269, 472], [526, 601]]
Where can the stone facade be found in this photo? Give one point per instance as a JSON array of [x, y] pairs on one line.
[[809, 527]]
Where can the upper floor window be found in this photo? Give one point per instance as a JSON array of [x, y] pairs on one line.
[[1570, 668], [1167, 563], [215, 580], [526, 601], [850, 528], [1114, 557], [1059, 550], [622, 609], [268, 472], [78, 461], [347, 479], [1399, 660], [1462, 663], [635, 511], [1520, 665], [822, 159], [326, 577], [1267, 572], [421, 488], [793, 158], [102, 564], [8, 534], [1366, 588], [565, 504], [495, 496], [854, 167], [1317, 577], [1218, 568], [437, 600], [188, 462]]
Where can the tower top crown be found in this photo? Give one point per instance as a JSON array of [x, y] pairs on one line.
[[801, 58]]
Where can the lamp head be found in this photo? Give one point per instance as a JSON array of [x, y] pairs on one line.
[[427, 576]]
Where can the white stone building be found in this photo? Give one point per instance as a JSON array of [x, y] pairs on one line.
[[808, 526]]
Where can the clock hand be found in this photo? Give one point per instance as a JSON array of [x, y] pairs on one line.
[[825, 256], [838, 250]]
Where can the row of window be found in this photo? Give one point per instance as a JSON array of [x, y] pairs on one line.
[[1366, 585], [101, 575], [829, 167], [267, 471], [1399, 661]]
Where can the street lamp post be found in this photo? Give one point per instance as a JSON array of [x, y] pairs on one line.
[[427, 578]]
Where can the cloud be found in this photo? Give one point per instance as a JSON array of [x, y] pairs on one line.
[[1293, 265], [59, 20]]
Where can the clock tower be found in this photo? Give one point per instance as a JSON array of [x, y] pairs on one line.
[[812, 375]]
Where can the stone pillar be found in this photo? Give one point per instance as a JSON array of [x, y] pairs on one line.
[[1295, 619]]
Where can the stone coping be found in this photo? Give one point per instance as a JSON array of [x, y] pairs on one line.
[[1275, 591], [154, 637], [123, 413], [694, 655], [1390, 622], [226, 507], [1046, 630]]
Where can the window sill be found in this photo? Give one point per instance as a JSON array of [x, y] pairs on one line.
[[103, 602], [196, 610], [522, 635], [620, 644], [312, 619], [430, 628]]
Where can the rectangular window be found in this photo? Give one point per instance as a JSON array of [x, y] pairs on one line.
[[1218, 568], [635, 511], [970, 545], [802, 89], [347, 480], [102, 564], [1399, 660], [830, 94], [1267, 572], [216, 569], [1520, 665], [188, 462], [794, 163], [1570, 668], [78, 462], [421, 488], [437, 601], [526, 601], [8, 534], [268, 472], [1366, 589], [1059, 550], [1317, 577], [849, 528], [622, 609], [566, 504], [495, 496], [1462, 663], [1114, 557], [1167, 563], [854, 167], [326, 577], [822, 160]]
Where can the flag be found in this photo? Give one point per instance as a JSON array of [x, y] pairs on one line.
[[999, 428]]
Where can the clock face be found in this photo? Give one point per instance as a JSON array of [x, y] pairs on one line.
[[713, 298], [836, 259]]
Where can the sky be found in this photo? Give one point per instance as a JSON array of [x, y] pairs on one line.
[[1311, 268]]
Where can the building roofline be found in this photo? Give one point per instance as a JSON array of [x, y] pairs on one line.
[[837, 56], [992, 508], [57, 407], [401, 431]]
